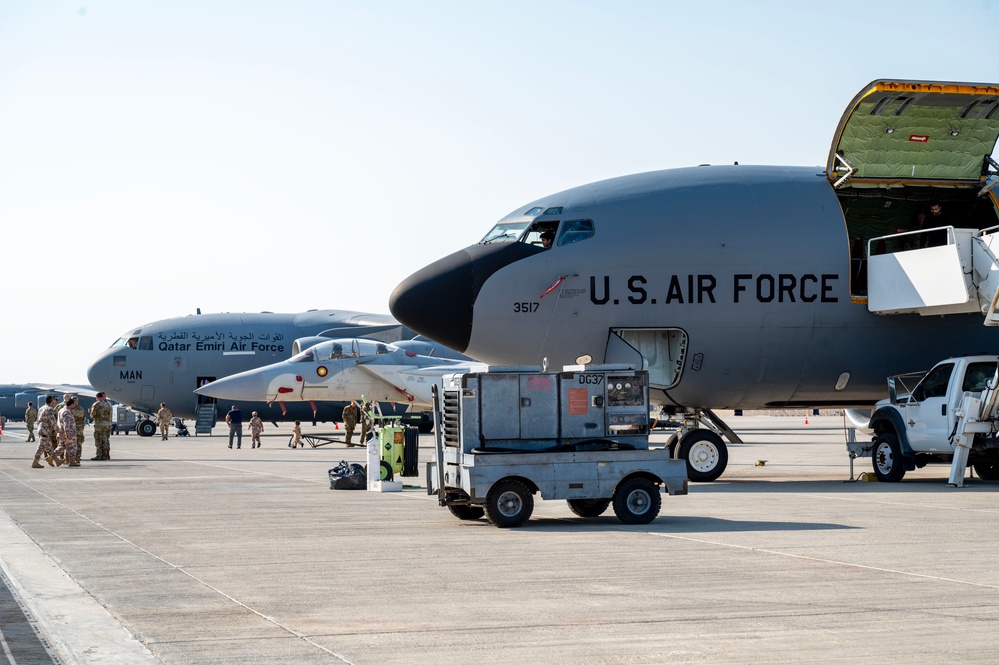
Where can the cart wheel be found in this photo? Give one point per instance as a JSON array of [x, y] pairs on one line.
[[588, 507], [637, 501], [509, 504], [466, 512], [385, 471]]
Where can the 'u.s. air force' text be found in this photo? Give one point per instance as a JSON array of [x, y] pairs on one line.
[[703, 289]]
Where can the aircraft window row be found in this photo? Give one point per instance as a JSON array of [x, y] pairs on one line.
[[546, 233]]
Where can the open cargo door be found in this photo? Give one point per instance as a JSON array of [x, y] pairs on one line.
[[900, 149]]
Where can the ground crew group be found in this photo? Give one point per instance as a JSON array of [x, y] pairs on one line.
[[60, 428]]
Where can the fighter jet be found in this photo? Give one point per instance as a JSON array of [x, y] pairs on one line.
[[342, 370], [744, 287], [166, 361]]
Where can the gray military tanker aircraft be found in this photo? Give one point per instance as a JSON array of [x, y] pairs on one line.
[[742, 287], [166, 361]]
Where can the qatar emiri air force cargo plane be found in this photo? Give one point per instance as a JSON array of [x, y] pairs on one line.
[[745, 287], [166, 361]]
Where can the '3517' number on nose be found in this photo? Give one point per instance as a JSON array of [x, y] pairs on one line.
[[526, 307]]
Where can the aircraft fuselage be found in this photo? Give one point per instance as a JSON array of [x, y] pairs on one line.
[[749, 267]]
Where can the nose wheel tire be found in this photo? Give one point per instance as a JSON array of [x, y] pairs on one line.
[[145, 428], [509, 504], [705, 453], [887, 458]]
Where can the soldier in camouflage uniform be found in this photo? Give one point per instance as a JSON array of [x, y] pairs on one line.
[[67, 434], [30, 416], [101, 413], [163, 417], [46, 433], [80, 416], [365, 422], [256, 427], [350, 415]]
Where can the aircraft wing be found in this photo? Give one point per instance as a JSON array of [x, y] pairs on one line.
[[389, 374], [63, 388]]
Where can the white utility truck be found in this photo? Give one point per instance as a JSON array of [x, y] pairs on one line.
[[948, 417], [582, 435]]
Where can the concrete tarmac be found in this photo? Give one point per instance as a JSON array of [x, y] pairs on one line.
[[185, 551]]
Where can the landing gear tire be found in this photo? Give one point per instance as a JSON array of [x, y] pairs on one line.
[[145, 428], [588, 507], [705, 453], [671, 444], [509, 504], [466, 512], [887, 458], [987, 469], [637, 501]]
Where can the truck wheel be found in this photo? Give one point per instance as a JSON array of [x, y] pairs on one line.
[[466, 512], [588, 507], [705, 454], [637, 501], [509, 504], [987, 469], [145, 428], [887, 458]]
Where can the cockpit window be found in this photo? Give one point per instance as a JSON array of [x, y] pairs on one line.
[[541, 233], [343, 348], [575, 230], [144, 343], [505, 232]]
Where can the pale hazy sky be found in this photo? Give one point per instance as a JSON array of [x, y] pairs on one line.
[[157, 157]]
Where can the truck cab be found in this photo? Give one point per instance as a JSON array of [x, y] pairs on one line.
[[923, 425]]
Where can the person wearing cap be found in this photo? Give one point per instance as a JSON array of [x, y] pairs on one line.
[[256, 427], [234, 419]]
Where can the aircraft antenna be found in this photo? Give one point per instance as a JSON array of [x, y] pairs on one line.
[[548, 329]]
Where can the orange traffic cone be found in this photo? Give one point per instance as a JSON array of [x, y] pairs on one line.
[[337, 426], [806, 420]]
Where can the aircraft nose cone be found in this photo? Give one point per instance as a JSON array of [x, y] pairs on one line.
[[245, 387], [98, 373], [436, 301]]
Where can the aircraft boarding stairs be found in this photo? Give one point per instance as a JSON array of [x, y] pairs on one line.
[[938, 271], [207, 417]]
